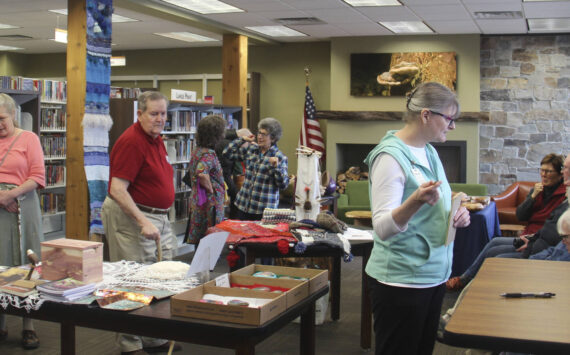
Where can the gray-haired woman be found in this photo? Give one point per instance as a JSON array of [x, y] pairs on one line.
[[21, 173], [411, 202], [265, 169]]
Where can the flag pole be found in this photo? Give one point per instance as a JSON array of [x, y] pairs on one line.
[[307, 75]]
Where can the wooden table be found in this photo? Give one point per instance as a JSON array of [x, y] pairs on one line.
[[155, 321], [358, 248], [361, 218], [511, 230], [485, 320]]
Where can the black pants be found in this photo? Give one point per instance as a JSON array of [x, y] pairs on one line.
[[405, 319]]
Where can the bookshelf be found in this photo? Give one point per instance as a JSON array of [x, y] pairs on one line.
[[52, 129], [179, 140]]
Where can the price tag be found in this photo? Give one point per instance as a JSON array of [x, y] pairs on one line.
[[418, 175], [223, 280]]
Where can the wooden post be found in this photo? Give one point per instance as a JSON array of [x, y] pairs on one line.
[[76, 195], [234, 73]]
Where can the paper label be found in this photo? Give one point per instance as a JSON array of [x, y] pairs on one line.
[[223, 280]]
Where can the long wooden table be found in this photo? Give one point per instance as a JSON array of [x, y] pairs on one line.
[[485, 320], [155, 321]]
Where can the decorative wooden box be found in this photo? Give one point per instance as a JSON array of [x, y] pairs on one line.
[[79, 259]]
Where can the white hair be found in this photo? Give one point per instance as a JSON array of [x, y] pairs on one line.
[[563, 224]]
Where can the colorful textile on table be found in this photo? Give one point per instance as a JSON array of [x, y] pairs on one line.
[[252, 232], [311, 135], [97, 122]]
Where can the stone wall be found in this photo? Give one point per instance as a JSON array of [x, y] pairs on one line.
[[524, 87]]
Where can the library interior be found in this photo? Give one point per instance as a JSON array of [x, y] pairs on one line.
[[242, 176]]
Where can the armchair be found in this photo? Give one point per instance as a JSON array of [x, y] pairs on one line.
[[508, 201], [354, 198]]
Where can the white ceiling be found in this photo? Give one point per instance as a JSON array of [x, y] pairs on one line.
[[340, 20]]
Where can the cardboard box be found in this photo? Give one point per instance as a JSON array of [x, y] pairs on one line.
[[317, 278], [78, 259], [187, 304], [298, 289]]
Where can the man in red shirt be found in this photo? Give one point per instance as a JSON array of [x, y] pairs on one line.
[[141, 190]]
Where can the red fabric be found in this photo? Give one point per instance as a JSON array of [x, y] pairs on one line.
[[271, 288], [542, 211], [311, 135], [142, 161], [283, 246], [252, 232], [232, 258]]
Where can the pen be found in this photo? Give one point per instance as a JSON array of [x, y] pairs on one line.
[[528, 295]]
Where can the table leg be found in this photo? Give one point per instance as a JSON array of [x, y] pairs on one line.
[[335, 288], [67, 334], [307, 329], [365, 308]]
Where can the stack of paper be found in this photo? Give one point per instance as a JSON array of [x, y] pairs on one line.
[[65, 290]]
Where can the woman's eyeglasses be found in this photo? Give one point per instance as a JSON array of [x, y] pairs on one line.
[[261, 134], [449, 119], [546, 171]]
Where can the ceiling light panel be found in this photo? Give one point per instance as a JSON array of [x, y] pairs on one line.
[[9, 48], [4, 26], [359, 3], [276, 31], [204, 7], [543, 25], [406, 26], [186, 37]]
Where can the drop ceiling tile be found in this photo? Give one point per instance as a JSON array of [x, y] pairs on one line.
[[452, 27], [502, 26], [443, 12], [547, 10], [364, 29], [388, 13]]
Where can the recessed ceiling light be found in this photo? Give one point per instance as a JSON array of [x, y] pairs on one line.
[[187, 37], [357, 3], [114, 18], [276, 31], [497, 15], [406, 26], [548, 24], [6, 27], [205, 7], [60, 35], [9, 48]]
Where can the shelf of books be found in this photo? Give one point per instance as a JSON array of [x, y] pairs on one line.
[[53, 137]]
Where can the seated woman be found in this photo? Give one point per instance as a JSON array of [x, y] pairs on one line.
[[545, 196], [545, 200]]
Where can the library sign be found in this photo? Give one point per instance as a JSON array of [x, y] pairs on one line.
[[182, 95]]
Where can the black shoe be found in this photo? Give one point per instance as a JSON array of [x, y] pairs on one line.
[[30, 339]]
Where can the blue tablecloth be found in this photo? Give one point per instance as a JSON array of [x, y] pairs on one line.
[[471, 240]]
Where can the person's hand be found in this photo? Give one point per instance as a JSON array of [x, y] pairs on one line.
[[244, 132], [428, 192], [6, 198], [149, 231], [538, 187], [273, 161], [525, 245], [462, 218], [12, 207]]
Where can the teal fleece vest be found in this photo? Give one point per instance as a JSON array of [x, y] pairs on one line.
[[418, 255]]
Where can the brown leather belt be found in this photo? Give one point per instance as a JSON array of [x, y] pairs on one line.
[[152, 210]]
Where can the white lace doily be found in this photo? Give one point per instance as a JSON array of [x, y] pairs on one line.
[[32, 302]]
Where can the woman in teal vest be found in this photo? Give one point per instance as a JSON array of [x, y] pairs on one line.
[[411, 201]]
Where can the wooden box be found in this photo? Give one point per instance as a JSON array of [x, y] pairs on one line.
[[78, 259], [187, 304]]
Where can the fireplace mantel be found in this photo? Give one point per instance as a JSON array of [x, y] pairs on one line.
[[388, 116]]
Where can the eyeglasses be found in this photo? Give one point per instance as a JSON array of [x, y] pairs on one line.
[[564, 236], [261, 134], [546, 171], [449, 119]]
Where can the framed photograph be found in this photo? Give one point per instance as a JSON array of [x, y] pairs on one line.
[[395, 74]]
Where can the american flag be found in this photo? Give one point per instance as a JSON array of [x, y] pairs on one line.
[[311, 129]]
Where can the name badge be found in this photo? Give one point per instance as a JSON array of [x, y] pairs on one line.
[[418, 175]]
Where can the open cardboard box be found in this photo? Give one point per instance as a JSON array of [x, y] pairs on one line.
[[317, 278], [298, 289], [187, 304]]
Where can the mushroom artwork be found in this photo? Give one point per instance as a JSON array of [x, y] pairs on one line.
[[399, 74]]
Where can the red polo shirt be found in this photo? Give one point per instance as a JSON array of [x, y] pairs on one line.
[[142, 160]]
